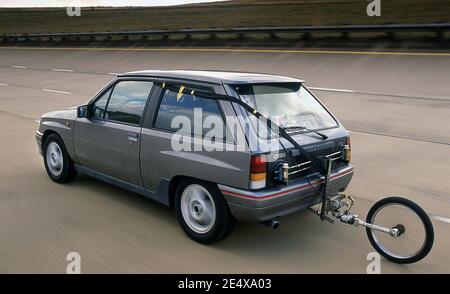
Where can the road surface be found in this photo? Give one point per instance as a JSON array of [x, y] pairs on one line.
[[396, 105]]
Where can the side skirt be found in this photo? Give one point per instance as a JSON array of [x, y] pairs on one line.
[[161, 195]]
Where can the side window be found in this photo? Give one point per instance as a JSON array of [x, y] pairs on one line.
[[127, 101], [174, 111], [98, 111]]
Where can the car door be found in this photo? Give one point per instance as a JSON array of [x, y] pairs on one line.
[[108, 140]]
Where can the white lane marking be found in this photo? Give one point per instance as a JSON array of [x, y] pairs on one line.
[[56, 91], [1, 84], [331, 90], [440, 218], [113, 73], [18, 66], [63, 70]]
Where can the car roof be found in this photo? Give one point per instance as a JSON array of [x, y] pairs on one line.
[[211, 76]]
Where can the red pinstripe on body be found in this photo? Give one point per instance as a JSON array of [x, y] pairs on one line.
[[299, 188]]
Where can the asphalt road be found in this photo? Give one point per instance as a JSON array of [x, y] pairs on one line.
[[398, 107]]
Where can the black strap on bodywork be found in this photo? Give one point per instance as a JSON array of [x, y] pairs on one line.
[[181, 89]]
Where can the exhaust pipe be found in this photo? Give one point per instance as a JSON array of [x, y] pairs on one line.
[[273, 223]]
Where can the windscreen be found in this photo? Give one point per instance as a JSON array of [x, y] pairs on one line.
[[287, 104]]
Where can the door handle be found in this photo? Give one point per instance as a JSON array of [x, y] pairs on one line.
[[133, 137]]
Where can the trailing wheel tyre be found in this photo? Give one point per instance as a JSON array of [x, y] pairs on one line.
[[411, 233], [202, 212], [57, 162]]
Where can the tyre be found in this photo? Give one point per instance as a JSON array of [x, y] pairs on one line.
[[411, 237], [202, 212], [57, 162]]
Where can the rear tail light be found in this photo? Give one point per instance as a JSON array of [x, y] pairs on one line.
[[348, 150], [258, 171]]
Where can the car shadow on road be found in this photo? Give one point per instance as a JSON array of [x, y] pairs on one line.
[[300, 233], [303, 221], [122, 196], [301, 238]]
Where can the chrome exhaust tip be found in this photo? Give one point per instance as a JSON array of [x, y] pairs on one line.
[[273, 223]]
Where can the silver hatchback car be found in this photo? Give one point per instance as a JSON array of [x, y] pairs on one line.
[[178, 137]]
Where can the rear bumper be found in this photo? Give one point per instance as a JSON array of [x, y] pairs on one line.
[[267, 204], [39, 141]]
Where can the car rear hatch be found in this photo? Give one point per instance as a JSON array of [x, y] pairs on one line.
[[299, 165]]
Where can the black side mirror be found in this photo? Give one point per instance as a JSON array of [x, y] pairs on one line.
[[83, 111]]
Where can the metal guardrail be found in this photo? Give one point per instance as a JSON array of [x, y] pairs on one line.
[[438, 28]]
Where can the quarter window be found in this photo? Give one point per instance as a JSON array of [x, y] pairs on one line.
[[127, 101], [98, 111], [174, 109]]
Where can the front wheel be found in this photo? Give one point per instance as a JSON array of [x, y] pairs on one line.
[[411, 233], [57, 162], [202, 212]]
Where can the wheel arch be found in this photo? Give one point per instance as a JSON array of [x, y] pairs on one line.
[[65, 135], [47, 133], [175, 182]]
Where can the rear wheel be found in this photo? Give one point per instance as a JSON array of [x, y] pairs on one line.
[[411, 234], [57, 162], [202, 212]]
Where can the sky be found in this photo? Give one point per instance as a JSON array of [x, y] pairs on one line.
[[82, 3]]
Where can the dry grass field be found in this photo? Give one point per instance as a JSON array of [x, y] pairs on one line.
[[235, 13]]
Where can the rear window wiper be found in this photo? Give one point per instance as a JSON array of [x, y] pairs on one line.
[[294, 127]]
